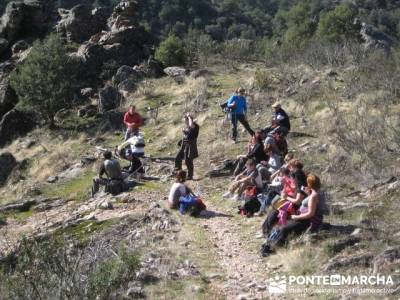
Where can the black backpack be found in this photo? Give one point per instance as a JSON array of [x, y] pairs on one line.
[[114, 187]]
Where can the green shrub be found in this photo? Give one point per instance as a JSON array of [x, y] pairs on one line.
[[44, 82], [338, 25], [52, 269], [112, 273], [171, 52]]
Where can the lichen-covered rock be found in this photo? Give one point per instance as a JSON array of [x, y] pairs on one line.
[[126, 78], [374, 38], [19, 46], [29, 18], [175, 71], [109, 98], [14, 124], [81, 22]]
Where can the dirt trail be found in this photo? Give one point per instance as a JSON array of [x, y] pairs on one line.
[[245, 275], [242, 274]]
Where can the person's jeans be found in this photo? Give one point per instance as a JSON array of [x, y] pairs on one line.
[[131, 132], [241, 164], [188, 161], [270, 222], [97, 182], [242, 119], [294, 226]]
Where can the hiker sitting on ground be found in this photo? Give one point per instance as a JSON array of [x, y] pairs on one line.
[[296, 171], [270, 166], [237, 106], [273, 164], [255, 151], [274, 189], [272, 127], [132, 121], [136, 144], [112, 169], [178, 190], [270, 141], [249, 177], [310, 215], [135, 167], [281, 118], [188, 146], [293, 191]]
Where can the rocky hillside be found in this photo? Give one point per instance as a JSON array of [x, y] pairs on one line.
[[57, 242], [214, 256], [102, 43]]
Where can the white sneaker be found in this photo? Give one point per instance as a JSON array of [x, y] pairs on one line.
[[236, 197], [227, 195]]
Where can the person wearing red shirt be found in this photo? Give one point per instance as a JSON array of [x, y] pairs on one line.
[[132, 121]]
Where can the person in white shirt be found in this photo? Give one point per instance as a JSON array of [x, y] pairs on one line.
[[178, 190]]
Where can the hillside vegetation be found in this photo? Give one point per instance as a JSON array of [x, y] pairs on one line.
[[333, 65]]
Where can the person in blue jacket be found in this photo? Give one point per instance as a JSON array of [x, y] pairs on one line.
[[237, 106]]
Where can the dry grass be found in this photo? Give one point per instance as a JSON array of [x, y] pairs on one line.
[[300, 260]]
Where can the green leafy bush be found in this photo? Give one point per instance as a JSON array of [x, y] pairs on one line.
[[45, 80], [338, 25], [52, 269], [171, 52]]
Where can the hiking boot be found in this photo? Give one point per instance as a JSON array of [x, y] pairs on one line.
[[227, 195], [265, 250]]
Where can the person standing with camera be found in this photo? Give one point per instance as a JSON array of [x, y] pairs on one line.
[[188, 146], [237, 108]]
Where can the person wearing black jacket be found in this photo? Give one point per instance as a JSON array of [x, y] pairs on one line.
[[135, 166], [281, 118], [188, 146], [255, 152]]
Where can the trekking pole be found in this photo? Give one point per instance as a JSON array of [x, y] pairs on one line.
[[141, 166]]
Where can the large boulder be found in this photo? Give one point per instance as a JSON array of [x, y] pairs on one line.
[[19, 46], [29, 18], [152, 68], [81, 22], [122, 43], [7, 163], [175, 71], [14, 124], [109, 98], [123, 15], [125, 36], [89, 59], [126, 78], [11, 21], [374, 38], [8, 97]]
